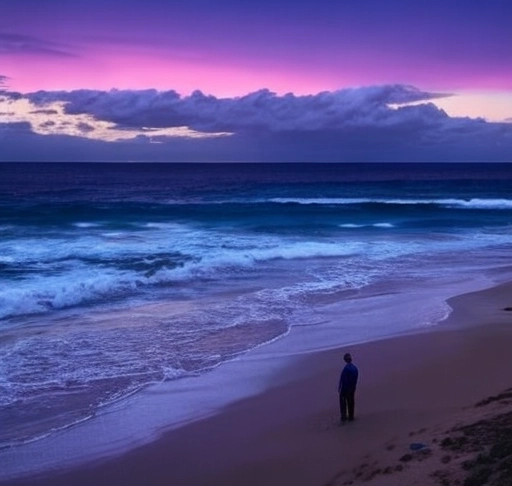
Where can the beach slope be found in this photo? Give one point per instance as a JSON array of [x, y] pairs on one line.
[[414, 392]]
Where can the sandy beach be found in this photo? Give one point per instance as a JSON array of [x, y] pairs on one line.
[[413, 389]]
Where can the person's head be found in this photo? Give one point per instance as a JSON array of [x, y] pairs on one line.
[[348, 358]]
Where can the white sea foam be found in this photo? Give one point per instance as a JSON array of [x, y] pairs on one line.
[[86, 225], [77, 282], [42, 294], [373, 225], [474, 203], [301, 250], [171, 373], [478, 203], [87, 271], [166, 226]]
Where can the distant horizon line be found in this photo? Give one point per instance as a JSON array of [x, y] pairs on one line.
[[452, 162]]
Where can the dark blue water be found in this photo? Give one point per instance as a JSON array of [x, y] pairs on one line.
[[113, 276]]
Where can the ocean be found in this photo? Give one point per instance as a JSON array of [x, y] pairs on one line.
[[117, 277]]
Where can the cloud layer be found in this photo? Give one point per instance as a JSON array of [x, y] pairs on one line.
[[376, 123], [255, 112]]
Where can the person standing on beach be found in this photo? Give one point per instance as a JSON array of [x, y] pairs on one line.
[[347, 388]]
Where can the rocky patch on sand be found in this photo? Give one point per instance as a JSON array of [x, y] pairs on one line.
[[476, 451]]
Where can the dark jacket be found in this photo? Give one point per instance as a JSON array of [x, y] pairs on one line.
[[348, 378]]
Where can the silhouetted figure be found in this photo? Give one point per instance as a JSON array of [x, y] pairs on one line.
[[347, 388]]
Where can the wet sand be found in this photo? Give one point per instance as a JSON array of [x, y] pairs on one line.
[[412, 388]]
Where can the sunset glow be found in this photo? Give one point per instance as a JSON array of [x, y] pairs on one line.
[[460, 54]]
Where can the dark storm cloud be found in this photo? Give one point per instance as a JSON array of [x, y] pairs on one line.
[[261, 110], [343, 126], [24, 44]]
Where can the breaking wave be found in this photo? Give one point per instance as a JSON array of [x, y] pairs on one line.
[[474, 203]]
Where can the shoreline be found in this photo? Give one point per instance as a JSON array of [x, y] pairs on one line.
[[143, 417], [289, 434]]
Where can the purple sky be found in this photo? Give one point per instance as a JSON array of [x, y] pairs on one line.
[[229, 49]]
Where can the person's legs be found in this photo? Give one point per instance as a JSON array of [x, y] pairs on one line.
[[343, 407], [351, 405]]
